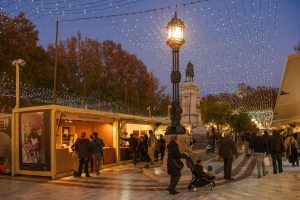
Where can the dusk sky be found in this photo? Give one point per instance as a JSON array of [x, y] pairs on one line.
[[228, 41]]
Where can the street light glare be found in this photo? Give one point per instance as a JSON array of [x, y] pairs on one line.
[[175, 32]]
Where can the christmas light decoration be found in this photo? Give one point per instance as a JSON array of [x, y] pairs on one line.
[[230, 42]]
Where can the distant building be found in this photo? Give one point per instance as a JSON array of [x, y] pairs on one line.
[[243, 90]]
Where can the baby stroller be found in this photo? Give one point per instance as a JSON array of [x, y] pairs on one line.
[[209, 148], [198, 179]]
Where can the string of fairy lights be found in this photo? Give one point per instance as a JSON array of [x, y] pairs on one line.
[[229, 41], [41, 95]]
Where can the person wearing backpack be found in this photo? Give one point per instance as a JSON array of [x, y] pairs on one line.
[[97, 151]]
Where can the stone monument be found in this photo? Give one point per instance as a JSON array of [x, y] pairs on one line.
[[191, 119], [191, 112]]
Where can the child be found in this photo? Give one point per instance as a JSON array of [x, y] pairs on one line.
[[199, 167], [210, 172]]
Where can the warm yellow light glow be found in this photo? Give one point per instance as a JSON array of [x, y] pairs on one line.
[[175, 32]]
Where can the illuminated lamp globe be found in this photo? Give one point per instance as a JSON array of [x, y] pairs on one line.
[[175, 32]]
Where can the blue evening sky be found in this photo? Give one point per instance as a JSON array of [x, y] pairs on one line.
[[228, 41]]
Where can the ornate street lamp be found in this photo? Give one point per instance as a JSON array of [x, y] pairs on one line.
[[175, 39]]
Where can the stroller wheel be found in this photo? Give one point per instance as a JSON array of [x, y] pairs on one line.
[[190, 187]]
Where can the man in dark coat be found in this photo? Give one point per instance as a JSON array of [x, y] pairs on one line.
[[133, 144], [173, 169], [97, 149], [251, 140], [261, 149], [83, 148], [276, 149], [227, 151]]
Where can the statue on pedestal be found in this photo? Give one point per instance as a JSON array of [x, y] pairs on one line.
[[189, 72]]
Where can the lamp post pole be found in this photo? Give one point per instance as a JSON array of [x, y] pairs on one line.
[[17, 85], [54, 98], [18, 63], [175, 40]]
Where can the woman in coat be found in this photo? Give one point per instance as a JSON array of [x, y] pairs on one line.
[[173, 164], [292, 152]]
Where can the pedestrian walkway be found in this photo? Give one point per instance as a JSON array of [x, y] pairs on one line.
[[128, 182]]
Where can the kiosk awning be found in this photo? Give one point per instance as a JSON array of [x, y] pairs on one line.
[[287, 107]]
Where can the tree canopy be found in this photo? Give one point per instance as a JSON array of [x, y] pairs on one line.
[[19, 39], [87, 68], [215, 112], [241, 122], [220, 113]]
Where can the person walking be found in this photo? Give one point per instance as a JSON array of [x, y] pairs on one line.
[[247, 143], [173, 164], [227, 151], [133, 144], [140, 153], [74, 156], [266, 137], [91, 159], [292, 153], [145, 148], [151, 146], [97, 150], [251, 140], [83, 149], [276, 149], [261, 149], [162, 147]]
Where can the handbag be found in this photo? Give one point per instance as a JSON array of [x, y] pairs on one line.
[[178, 163], [266, 161]]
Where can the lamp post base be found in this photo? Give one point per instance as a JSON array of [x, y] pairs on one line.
[[175, 130]]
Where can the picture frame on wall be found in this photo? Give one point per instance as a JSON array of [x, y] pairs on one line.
[[34, 140]]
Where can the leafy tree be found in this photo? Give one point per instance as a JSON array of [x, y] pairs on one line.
[[19, 39], [105, 71], [102, 70], [215, 112], [241, 122]]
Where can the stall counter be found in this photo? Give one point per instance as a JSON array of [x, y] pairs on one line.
[[109, 155], [64, 161]]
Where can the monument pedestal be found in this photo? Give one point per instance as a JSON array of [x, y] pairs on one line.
[[160, 174]]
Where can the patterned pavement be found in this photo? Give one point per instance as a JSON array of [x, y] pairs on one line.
[[128, 182]]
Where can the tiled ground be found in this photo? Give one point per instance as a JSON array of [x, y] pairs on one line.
[[127, 182]]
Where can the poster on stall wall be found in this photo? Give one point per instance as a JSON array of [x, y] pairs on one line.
[[5, 144], [34, 140]]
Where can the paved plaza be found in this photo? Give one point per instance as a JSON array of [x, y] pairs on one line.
[[128, 182]]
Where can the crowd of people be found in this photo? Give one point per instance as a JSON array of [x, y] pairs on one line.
[[146, 148], [277, 146], [262, 145], [88, 152], [149, 149]]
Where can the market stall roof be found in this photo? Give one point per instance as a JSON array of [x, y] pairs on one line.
[[91, 115], [287, 107]]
